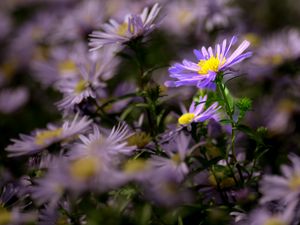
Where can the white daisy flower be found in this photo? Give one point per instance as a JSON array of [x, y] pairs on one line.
[[42, 138], [133, 26]]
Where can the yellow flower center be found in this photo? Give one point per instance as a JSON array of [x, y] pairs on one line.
[[294, 182], [276, 59], [81, 86], [184, 16], [274, 221], [186, 118], [140, 139], [122, 29], [5, 216], [42, 137], [134, 166], [211, 64], [176, 159], [84, 168], [66, 66]]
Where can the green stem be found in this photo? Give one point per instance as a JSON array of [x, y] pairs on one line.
[[110, 101], [229, 112], [142, 83]]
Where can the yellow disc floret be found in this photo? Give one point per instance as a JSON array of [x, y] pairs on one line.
[[81, 86], [135, 166], [66, 66], [5, 216], [294, 182], [211, 64], [84, 168], [42, 137], [176, 159], [140, 139], [274, 221], [122, 29], [186, 118]]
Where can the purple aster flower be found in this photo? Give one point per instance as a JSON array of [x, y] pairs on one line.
[[42, 138], [132, 27], [13, 99], [285, 188], [197, 113], [203, 73], [176, 159]]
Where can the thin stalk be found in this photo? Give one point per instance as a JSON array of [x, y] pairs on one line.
[[229, 112]]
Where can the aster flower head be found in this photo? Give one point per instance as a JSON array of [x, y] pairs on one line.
[[210, 63], [78, 88], [108, 147], [197, 113], [13, 99], [262, 216], [42, 138], [284, 188], [133, 26], [176, 151]]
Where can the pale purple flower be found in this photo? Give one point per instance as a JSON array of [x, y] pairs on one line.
[[109, 147], [13, 99], [262, 216], [219, 13], [80, 21], [210, 63], [163, 188], [177, 152], [78, 88], [42, 138], [286, 188], [133, 26]]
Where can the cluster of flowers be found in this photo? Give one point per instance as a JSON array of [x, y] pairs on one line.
[[123, 150]]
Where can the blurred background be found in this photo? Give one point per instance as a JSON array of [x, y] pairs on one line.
[[40, 41]]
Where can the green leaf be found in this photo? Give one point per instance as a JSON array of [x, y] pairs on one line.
[[230, 99], [225, 121], [244, 104], [251, 133]]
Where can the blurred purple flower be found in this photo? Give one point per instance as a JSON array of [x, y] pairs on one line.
[[13, 99], [132, 27], [177, 152], [42, 138]]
